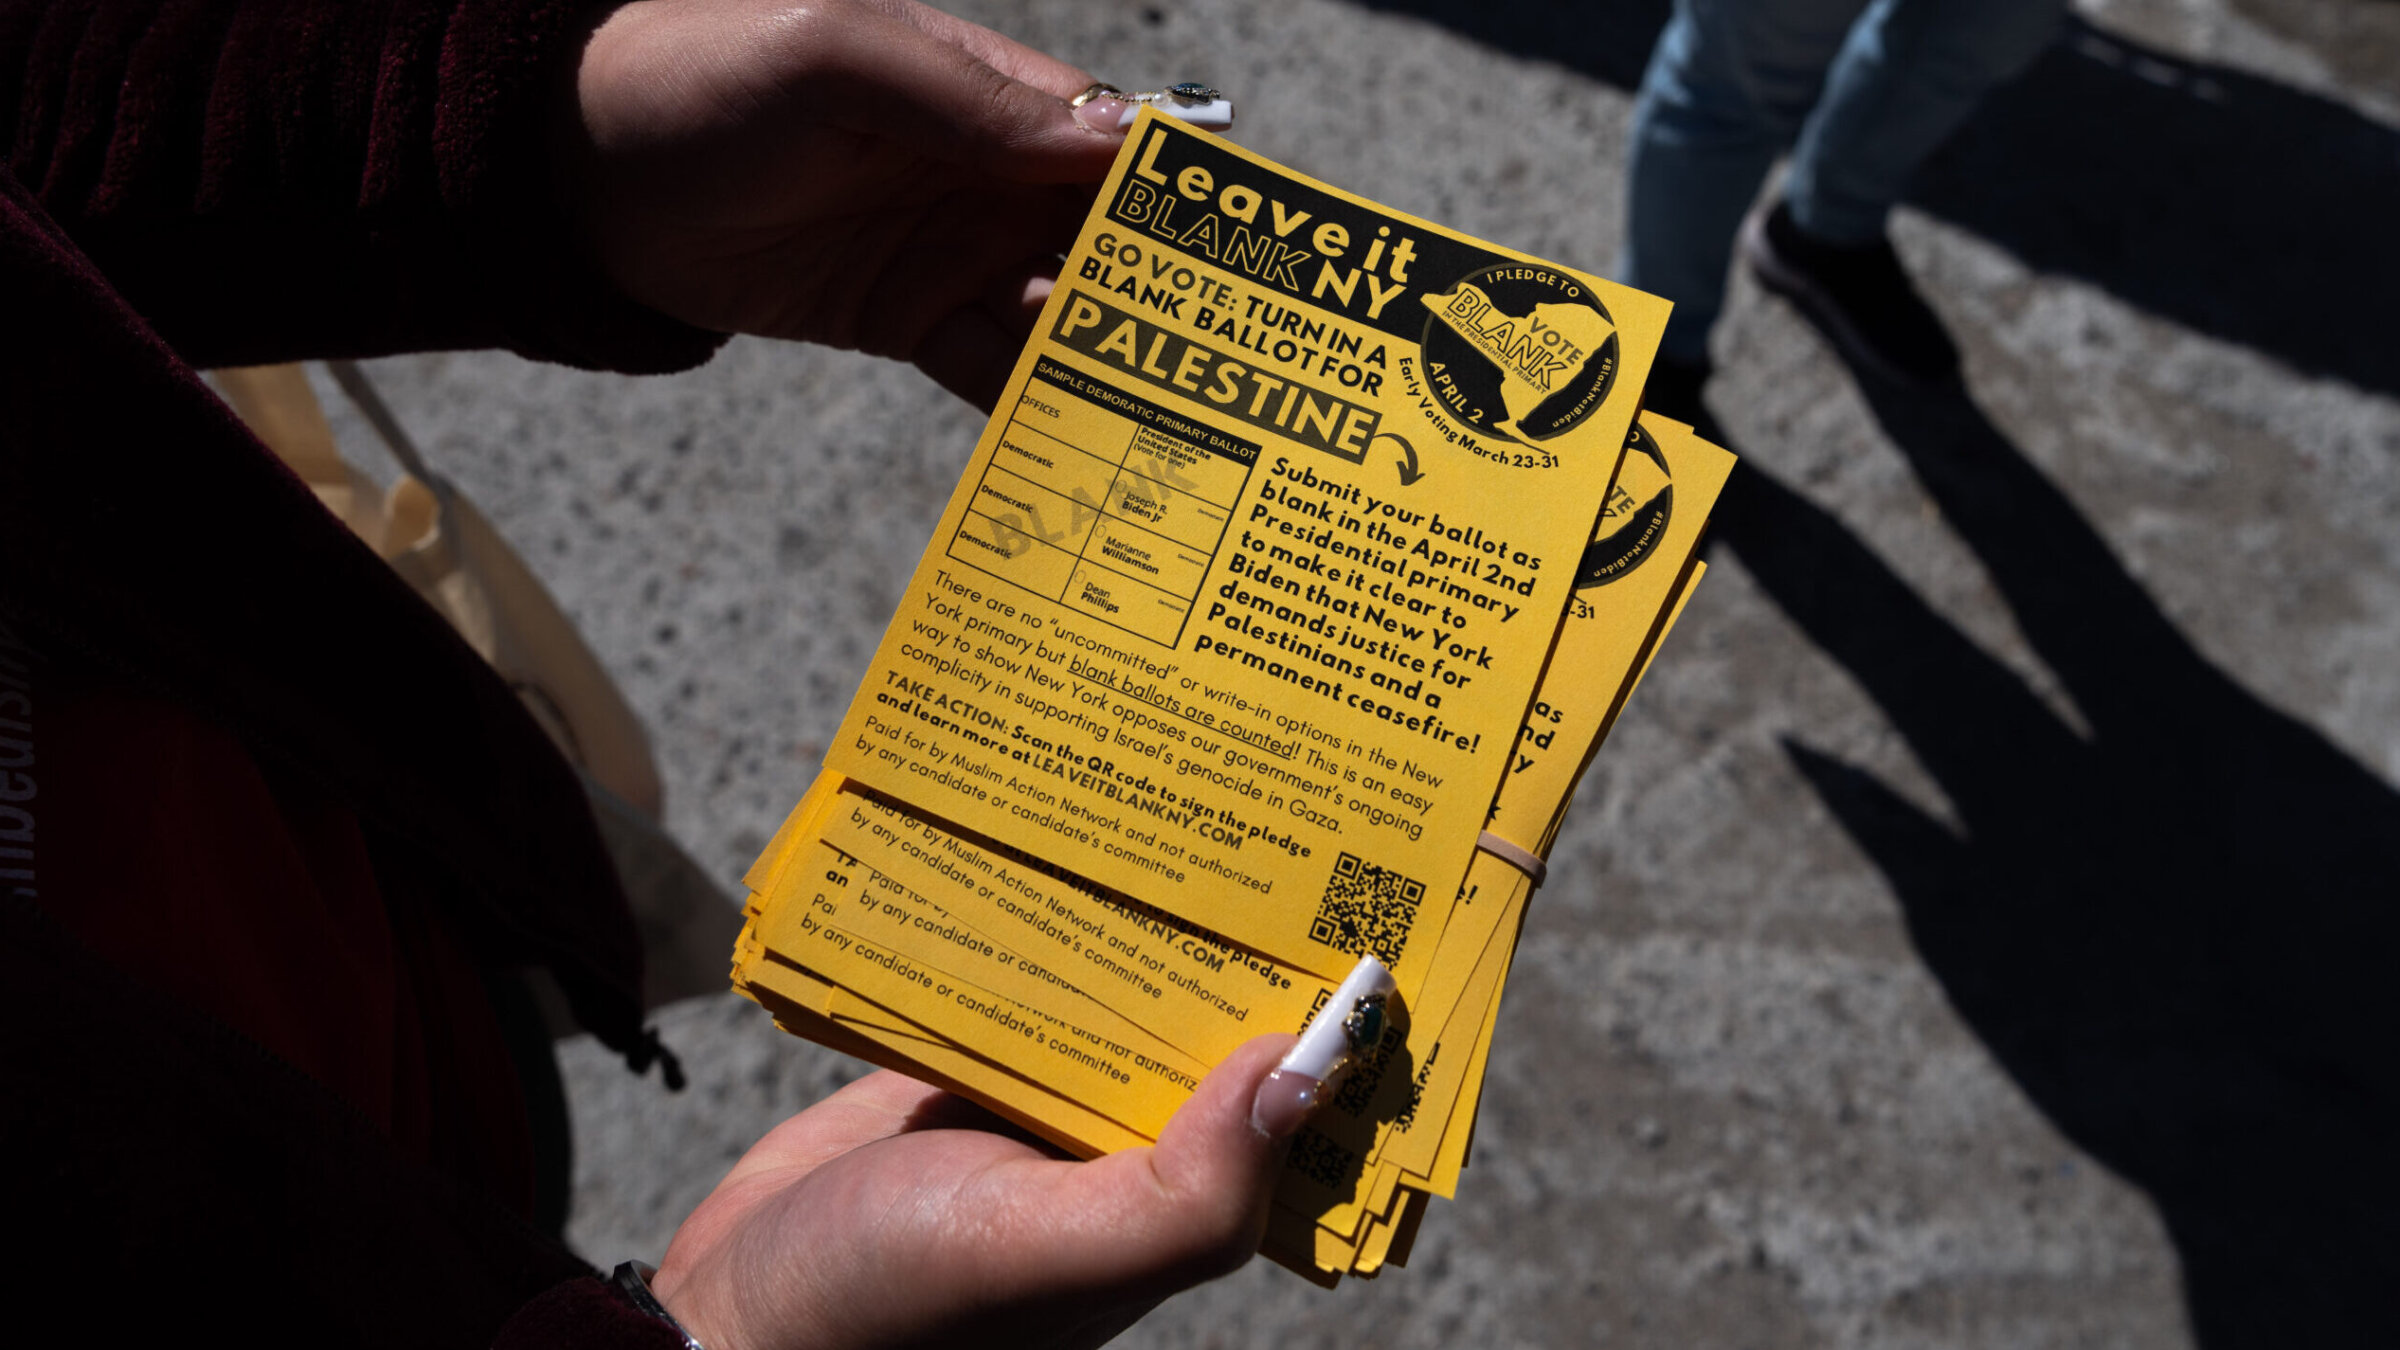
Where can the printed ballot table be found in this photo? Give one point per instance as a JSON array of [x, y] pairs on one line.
[[1105, 502]]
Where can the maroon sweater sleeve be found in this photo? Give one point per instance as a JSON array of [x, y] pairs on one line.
[[271, 179]]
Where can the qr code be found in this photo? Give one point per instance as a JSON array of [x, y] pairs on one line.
[[1367, 909], [1322, 1160]]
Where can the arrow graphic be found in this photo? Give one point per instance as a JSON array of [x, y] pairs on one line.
[[1409, 472]]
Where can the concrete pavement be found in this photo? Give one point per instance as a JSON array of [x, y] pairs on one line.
[[1958, 942]]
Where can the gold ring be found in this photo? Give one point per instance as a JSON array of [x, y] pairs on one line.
[[1100, 90]]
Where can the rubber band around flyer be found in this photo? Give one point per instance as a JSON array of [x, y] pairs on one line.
[[1524, 860]]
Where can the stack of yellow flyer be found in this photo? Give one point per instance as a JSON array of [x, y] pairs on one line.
[[1307, 560]]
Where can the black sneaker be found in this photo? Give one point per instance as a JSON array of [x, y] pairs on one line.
[[1858, 297]]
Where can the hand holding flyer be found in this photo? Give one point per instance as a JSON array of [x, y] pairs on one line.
[[1293, 561], [1246, 590]]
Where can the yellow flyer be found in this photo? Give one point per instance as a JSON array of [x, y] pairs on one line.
[[1242, 600], [1630, 578]]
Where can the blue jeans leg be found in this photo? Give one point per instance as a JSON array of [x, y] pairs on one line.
[[1728, 88], [1908, 74]]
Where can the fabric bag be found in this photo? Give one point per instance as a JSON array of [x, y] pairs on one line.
[[436, 539]]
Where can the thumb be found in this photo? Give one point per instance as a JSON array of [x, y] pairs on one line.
[[1194, 1205], [1215, 1152], [1148, 1222]]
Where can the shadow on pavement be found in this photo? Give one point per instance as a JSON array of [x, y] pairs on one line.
[[2178, 934], [2233, 205]]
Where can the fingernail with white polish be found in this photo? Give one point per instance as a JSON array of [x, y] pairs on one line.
[[1214, 112], [1111, 115], [1351, 1021]]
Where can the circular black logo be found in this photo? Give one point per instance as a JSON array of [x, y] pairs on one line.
[[1520, 351], [1634, 522]]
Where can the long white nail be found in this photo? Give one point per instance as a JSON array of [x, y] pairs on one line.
[[1351, 1022], [1214, 114], [1190, 101]]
